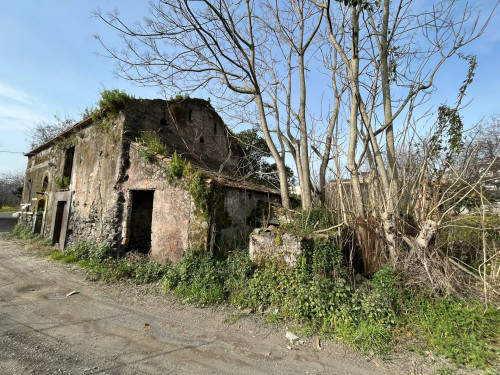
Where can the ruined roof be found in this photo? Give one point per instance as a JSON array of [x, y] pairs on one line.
[[220, 177], [89, 120], [64, 134]]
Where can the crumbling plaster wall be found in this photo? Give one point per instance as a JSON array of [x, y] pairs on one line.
[[173, 212], [39, 166], [92, 199], [106, 168], [97, 200], [191, 127]]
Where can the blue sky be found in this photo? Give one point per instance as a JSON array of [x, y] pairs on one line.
[[49, 66]]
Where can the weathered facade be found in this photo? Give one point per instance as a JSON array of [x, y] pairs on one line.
[[94, 183]]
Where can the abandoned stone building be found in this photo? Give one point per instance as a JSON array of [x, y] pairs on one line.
[[97, 181]]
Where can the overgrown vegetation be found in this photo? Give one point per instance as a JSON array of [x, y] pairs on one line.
[[462, 237], [320, 295], [152, 146], [108, 108], [304, 222], [100, 266], [62, 183], [24, 232], [179, 97], [178, 171]]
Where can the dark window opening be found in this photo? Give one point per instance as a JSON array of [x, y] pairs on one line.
[[202, 139], [215, 128], [190, 115], [141, 220], [45, 183], [68, 163], [163, 122]]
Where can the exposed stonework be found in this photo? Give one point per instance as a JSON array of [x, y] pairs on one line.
[[269, 245], [105, 172]]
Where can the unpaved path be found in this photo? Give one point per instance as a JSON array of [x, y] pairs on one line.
[[125, 329]]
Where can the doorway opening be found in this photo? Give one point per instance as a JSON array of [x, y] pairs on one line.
[[39, 216], [141, 218], [59, 234]]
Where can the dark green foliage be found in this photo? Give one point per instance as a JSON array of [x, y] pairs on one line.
[[256, 152], [465, 332], [304, 222], [201, 193], [198, 279], [112, 101], [177, 166], [62, 183]]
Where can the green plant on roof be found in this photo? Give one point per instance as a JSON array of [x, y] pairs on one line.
[[62, 183], [179, 97], [177, 166], [112, 101], [152, 145], [108, 107]]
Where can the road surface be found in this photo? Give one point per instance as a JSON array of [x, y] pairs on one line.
[[7, 222]]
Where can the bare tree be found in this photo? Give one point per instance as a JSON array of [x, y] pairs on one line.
[[43, 132], [392, 54], [11, 188], [219, 46]]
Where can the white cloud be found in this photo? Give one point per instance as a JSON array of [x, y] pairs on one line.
[[14, 94], [18, 109]]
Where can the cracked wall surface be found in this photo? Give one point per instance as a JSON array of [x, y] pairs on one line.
[[107, 169]]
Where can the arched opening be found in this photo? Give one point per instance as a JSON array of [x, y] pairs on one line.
[[45, 183]]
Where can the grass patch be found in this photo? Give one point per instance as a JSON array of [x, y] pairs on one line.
[[23, 232], [10, 209], [465, 332]]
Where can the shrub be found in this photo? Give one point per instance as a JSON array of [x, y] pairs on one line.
[[198, 279], [112, 101], [23, 232], [304, 222], [152, 144], [145, 272], [462, 237], [62, 183], [177, 166], [86, 250]]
